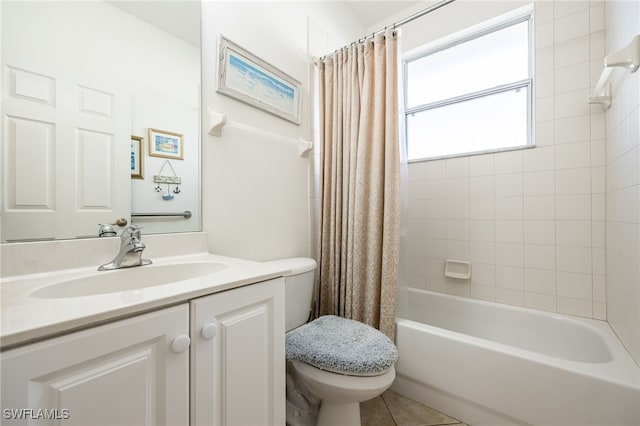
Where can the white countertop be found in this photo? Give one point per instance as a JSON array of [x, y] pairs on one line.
[[24, 318]]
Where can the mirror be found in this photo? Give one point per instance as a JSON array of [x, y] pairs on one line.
[[88, 84]]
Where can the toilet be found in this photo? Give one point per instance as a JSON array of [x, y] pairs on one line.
[[333, 363]]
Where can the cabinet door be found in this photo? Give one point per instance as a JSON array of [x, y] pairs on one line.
[[122, 373], [238, 356]]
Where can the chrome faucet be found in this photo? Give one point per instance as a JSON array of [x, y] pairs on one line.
[[130, 254]]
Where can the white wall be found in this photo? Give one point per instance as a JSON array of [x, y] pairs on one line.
[[532, 222], [623, 183], [256, 189]]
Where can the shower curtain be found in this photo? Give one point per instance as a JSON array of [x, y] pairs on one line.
[[359, 183]]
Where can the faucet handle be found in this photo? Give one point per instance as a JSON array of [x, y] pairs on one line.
[[132, 230], [106, 230]]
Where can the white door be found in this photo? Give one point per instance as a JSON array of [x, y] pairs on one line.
[[123, 373], [238, 357], [66, 137]]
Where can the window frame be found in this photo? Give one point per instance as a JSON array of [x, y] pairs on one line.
[[527, 83]]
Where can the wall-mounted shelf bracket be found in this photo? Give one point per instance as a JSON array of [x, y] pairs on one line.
[[216, 123], [304, 147], [628, 57], [603, 98]]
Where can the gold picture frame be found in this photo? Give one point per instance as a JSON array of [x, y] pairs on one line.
[[165, 144], [137, 157]]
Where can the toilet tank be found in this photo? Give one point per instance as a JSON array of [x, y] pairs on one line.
[[298, 287]]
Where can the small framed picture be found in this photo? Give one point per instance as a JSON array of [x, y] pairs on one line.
[[165, 144], [137, 157]]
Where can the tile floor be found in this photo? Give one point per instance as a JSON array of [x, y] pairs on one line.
[[392, 409]]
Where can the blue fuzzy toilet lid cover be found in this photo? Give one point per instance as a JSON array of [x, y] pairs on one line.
[[341, 346]]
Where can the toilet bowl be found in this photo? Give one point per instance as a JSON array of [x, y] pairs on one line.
[[341, 394], [333, 363]]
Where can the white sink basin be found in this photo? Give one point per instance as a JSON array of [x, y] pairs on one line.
[[127, 279]]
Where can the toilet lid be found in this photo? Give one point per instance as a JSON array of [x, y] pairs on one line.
[[342, 346]]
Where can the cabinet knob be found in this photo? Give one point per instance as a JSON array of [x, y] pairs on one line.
[[180, 344], [209, 331]]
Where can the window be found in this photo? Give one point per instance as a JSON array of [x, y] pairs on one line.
[[472, 95]]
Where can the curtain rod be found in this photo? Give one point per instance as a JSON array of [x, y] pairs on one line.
[[419, 14], [401, 22]]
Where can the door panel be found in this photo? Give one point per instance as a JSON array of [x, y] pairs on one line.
[[66, 149]]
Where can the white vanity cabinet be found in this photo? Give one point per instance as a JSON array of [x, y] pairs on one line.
[[238, 356], [214, 360], [121, 373]]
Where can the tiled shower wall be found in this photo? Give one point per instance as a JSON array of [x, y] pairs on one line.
[[532, 221], [623, 184]]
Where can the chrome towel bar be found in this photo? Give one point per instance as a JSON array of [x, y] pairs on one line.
[[186, 214]]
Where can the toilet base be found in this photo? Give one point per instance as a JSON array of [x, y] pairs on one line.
[[300, 417], [332, 414], [339, 395]]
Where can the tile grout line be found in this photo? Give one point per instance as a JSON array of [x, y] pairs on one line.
[[453, 422], [386, 407]]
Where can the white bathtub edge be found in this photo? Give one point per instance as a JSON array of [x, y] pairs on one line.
[[450, 405]]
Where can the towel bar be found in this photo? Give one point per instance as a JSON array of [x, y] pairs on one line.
[[186, 214]]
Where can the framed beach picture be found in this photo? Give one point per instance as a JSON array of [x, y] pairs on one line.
[[137, 157], [165, 144], [247, 78]]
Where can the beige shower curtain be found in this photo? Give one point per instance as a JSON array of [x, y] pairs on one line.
[[360, 183]]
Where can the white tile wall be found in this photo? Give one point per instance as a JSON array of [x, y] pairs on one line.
[[619, 295], [532, 222]]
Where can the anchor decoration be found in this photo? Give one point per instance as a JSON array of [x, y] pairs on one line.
[[168, 180]]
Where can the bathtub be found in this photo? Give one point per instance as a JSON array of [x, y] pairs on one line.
[[489, 363]]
